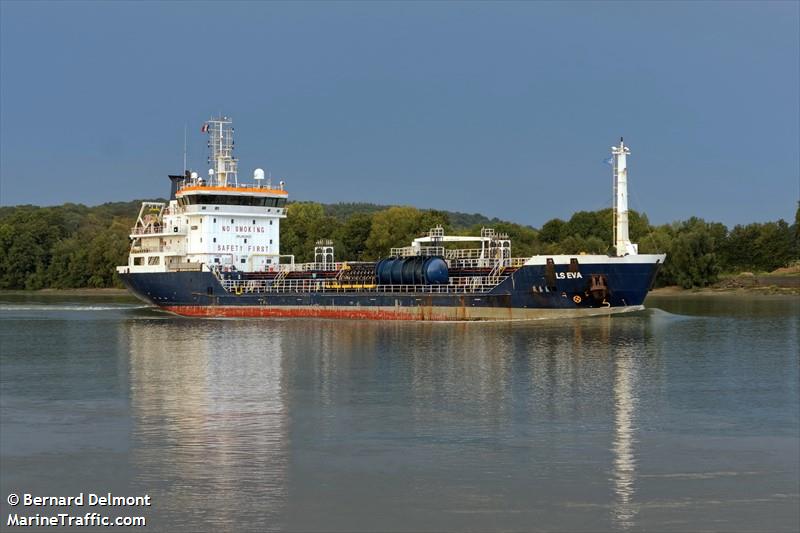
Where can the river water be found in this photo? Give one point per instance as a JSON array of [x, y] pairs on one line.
[[682, 417]]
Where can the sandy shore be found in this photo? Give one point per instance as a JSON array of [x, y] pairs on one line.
[[708, 291]]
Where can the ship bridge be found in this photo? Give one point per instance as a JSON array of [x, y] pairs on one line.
[[197, 192], [216, 221]]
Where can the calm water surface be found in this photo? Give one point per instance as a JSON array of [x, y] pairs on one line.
[[683, 417]]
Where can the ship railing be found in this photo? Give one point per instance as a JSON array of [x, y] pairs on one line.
[[410, 251], [144, 250], [457, 285], [464, 253], [248, 186], [472, 263], [184, 267], [158, 230], [309, 267], [169, 250]]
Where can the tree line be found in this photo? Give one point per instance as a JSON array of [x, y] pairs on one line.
[[75, 246]]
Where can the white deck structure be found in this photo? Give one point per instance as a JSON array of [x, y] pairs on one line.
[[214, 222]]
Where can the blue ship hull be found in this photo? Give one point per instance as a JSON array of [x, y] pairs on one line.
[[529, 292]]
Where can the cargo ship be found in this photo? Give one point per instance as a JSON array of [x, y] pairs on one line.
[[213, 250]]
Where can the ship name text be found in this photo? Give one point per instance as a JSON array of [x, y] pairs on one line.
[[568, 275]]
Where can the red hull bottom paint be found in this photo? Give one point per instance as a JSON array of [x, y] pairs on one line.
[[391, 313], [297, 312]]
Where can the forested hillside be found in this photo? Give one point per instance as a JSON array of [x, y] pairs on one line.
[[73, 245]]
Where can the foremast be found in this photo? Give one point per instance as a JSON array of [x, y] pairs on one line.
[[622, 241]]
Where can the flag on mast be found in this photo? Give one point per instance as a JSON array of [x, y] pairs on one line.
[[204, 129]]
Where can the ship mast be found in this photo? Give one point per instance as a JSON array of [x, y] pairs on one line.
[[220, 144], [622, 241]]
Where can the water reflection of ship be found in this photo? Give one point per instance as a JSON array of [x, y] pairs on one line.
[[209, 423], [238, 415], [517, 382], [625, 509], [605, 354]]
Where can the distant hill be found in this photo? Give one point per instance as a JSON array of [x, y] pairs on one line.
[[340, 211], [459, 221]]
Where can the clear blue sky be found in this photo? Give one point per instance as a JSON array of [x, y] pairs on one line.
[[507, 109]]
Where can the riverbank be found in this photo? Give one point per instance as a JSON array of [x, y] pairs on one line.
[[728, 290], [783, 281], [770, 290]]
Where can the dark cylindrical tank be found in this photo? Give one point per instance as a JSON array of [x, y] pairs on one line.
[[412, 273], [397, 271], [383, 271], [435, 271], [418, 270]]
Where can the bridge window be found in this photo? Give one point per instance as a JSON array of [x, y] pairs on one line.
[[229, 199]]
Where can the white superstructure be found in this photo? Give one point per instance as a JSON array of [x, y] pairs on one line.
[[217, 222]]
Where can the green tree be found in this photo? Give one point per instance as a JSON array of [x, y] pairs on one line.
[[68, 266], [759, 247], [27, 238], [692, 255], [796, 227], [351, 237], [590, 224], [106, 250], [398, 226], [304, 225], [553, 231]]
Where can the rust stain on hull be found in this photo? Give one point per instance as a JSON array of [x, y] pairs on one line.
[[448, 314], [293, 312]]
